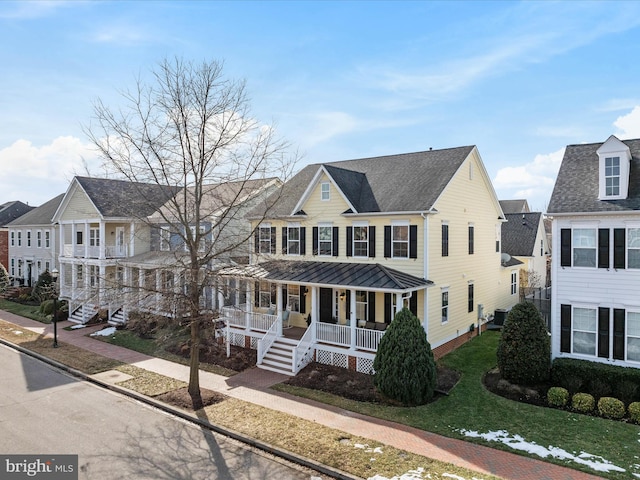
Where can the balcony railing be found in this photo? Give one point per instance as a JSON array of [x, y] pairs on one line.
[[242, 317], [83, 251], [366, 338]]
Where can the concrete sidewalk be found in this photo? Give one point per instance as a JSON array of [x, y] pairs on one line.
[[253, 386]]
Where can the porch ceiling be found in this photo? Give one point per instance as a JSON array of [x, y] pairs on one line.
[[364, 276]]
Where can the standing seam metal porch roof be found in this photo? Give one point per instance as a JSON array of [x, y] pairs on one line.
[[371, 276]]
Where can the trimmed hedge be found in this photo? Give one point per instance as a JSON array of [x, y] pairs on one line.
[[524, 351], [634, 412], [557, 397], [609, 407], [583, 402], [597, 379]]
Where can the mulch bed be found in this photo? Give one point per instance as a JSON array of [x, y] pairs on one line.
[[534, 395], [182, 399], [216, 354]]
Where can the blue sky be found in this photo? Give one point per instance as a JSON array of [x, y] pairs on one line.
[[340, 80]]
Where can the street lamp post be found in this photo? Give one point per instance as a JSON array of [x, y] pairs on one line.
[[54, 275]]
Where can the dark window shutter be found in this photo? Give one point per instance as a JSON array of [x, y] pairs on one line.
[[413, 241], [603, 332], [334, 247], [303, 299], [387, 307], [372, 306], [303, 240], [565, 247], [347, 308], [470, 297], [387, 241], [471, 239], [349, 241], [256, 240], [618, 248], [413, 303], [445, 240], [603, 248], [618, 333], [256, 294], [565, 328], [372, 242], [315, 241], [273, 239], [284, 240]]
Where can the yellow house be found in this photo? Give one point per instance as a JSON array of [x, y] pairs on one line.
[[349, 243]]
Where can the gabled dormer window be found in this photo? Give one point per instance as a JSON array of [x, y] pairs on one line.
[[613, 170], [325, 192]]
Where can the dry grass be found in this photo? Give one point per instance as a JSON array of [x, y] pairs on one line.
[[356, 455], [148, 383], [70, 355]]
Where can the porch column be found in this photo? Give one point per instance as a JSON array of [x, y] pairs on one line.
[[102, 240], [398, 302], [101, 284], [314, 312], [353, 320], [85, 239], [279, 308], [132, 232], [158, 289]]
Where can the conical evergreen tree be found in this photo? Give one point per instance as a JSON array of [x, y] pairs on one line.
[[404, 366]]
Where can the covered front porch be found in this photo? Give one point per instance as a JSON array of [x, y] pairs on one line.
[[298, 312]]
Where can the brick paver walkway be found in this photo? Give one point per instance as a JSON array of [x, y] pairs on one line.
[[253, 386]]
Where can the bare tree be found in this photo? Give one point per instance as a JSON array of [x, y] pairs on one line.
[[191, 128]]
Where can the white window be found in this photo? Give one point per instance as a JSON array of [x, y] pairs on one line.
[[13, 267], [165, 239], [360, 240], [362, 309], [47, 239], [293, 239], [612, 176], [94, 237], [79, 274], [633, 336], [633, 247], [266, 294], [94, 271], [13, 238], [584, 331], [28, 238], [325, 240], [445, 305], [293, 298], [514, 283], [39, 239], [264, 239], [400, 241], [19, 238], [584, 247], [47, 266], [201, 243], [325, 192]]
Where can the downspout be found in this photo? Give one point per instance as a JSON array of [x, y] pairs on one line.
[[425, 272]]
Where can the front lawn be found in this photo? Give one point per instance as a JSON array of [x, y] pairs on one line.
[[594, 445], [24, 310]]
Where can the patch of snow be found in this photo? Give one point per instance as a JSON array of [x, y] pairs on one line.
[[105, 332], [17, 332], [451, 475], [367, 448], [417, 474], [79, 325], [518, 443]]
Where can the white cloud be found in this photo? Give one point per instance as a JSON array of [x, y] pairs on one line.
[[533, 181], [628, 125], [35, 174]]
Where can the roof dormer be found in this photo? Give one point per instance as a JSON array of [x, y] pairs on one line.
[[613, 169]]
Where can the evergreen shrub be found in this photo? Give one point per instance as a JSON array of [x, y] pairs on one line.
[[557, 397], [583, 402], [610, 407]]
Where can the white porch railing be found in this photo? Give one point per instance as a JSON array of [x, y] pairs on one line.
[[334, 334], [303, 353], [83, 251], [368, 339], [115, 251], [264, 344], [243, 318]]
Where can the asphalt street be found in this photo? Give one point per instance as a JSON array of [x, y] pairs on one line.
[[45, 411]]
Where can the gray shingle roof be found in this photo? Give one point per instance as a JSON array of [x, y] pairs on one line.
[[519, 233], [514, 206], [121, 198], [42, 215], [576, 188], [407, 182], [9, 211], [356, 275]]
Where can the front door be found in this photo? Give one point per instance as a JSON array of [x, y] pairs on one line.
[[326, 304], [120, 249]]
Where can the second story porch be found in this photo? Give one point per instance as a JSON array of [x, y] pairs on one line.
[[97, 239]]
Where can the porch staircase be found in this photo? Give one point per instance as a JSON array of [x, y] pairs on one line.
[[117, 318], [83, 314], [279, 358]]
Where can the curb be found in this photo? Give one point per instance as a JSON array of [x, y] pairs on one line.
[[265, 447]]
